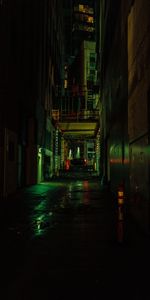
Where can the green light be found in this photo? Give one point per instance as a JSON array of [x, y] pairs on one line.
[[39, 169], [41, 188], [78, 152], [41, 217]]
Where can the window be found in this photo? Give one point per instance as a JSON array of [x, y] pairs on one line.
[[90, 19], [84, 9]]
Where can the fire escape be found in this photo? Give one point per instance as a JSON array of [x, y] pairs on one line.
[[78, 113]]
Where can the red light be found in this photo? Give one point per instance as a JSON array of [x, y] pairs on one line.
[[67, 165]]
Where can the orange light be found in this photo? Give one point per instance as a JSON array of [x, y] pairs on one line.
[[90, 19], [120, 201], [120, 193]]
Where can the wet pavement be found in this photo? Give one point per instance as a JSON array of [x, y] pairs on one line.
[[59, 241]]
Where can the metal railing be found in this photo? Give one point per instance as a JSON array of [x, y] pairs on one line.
[[83, 115]]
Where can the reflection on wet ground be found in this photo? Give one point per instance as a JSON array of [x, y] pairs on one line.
[[79, 197], [59, 242]]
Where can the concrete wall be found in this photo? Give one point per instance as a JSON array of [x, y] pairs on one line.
[[114, 86], [138, 117], [125, 94]]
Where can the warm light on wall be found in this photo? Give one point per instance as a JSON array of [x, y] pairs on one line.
[[65, 84], [119, 161]]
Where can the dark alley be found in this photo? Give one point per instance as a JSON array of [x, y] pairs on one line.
[[75, 149]]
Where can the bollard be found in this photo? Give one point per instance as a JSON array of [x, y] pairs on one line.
[[120, 216]]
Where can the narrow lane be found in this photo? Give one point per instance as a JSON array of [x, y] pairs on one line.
[[65, 247]]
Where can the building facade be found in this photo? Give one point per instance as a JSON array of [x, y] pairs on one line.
[[31, 70], [138, 110], [123, 69]]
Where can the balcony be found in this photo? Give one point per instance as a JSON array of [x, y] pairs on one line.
[[83, 115], [83, 124]]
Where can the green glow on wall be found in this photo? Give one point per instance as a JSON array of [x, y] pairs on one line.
[[39, 169]]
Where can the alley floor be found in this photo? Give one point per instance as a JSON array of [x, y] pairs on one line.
[[59, 241]]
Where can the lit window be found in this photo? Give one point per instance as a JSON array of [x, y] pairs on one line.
[[84, 9], [90, 19], [65, 84], [81, 7]]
